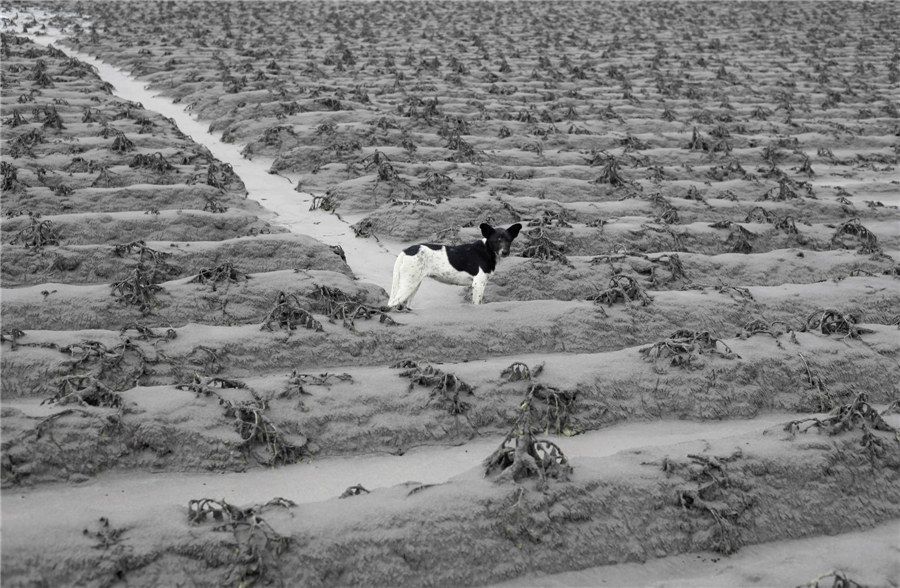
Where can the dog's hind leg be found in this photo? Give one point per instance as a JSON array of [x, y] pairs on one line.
[[395, 284], [409, 271]]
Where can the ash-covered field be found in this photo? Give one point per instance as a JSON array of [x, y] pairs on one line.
[[692, 351]]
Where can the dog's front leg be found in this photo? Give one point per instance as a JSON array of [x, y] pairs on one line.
[[478, 284]]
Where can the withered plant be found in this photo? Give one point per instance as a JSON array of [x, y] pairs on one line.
[[289, 313], [611, 174], [710, 495], [138, 289], [539, 246], [155, 162], [257, 545], [847, 417], [830, 321], [225, 272], [519, 371], [121, 144], [37, 234], [623, 289], [858, 235], [738, 240], [683, 348], [446, 388], [338, 305], [249, 419], [522, 454]]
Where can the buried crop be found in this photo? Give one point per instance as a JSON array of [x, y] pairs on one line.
[[759, 214], [256, 545], [297, 382], [106, 535], [716, 495], [520, 371], [611, 174], [446, 388], [522, 454], [356, 490], [697, 142], [326, 203], [551, 410], [117, 559], [121, 144], [839, 580], [436, 183], [289, 314], [830, 321], [37, 233], [138, 289], [817, 396], [256, 429], [225, 272], [683, 349], [336, 304], [549, 218], [213, 204], [365, 229], [761, 327], [668, 214], [852, 233], [677, 238], [540, 247], [104, 178], [147, 333], [145, 253], [11, 335], [738, 240], [10, 180], [670, 262], [252, 425], [381, 163], [98, 373], [155, 162], [847, 417], [784, 191], [623, 289], [84, 390]]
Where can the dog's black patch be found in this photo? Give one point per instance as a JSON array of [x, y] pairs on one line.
[[413, 249], [471, 257], [482, 255]]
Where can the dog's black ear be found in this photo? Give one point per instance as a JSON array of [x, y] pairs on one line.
[[486, 230], [514, 230]]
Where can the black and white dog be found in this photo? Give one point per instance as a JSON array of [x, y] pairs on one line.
[[460, 265]]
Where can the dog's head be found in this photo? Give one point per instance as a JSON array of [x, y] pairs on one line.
[[499, 240]]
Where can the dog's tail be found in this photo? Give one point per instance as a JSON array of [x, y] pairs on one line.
[[395, 286]]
